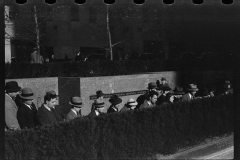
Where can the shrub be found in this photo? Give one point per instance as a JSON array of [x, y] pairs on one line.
[[132, 134]]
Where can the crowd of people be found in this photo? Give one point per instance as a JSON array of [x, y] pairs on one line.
[[21, 112]]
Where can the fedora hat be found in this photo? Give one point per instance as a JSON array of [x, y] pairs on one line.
[[178, 91], [27, 94], [115, 100], [98, 103], [76, 102], [131, 102], [152, 85], [12, 86], [192, 87], [99, 93], [53, 93]]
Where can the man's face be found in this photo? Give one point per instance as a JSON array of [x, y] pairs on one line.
[[100, 109], [77, 109], [52, 103], [29, 102], [153, 99], [14, 94], [163, 81]]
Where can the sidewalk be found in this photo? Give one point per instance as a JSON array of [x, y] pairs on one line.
[[202, 150]]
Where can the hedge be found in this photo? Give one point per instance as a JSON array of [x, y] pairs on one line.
[[107, 68], [133, 134]]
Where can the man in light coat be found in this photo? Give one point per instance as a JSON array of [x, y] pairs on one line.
[[12, 89]]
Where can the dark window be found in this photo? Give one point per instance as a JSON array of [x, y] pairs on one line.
[[74, 13], [92, 15]]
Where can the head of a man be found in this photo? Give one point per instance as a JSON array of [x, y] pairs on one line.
[[152, 97], [12, 89], [50, 100]]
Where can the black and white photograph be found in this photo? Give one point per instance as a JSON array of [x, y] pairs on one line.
[[98, 80]]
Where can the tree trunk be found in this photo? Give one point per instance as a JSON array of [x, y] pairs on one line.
[[109, 35], [37, 35]]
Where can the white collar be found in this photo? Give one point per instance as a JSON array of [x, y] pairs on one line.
[[9, 96], [74, 111], [47, 107], [29, 106], [97, 113], [149, 103]]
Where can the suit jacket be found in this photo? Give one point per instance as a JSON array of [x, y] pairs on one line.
[[11, 113], [186, 97], [111, 109], [71, 115], [47, 117], [125, 109], [146, 105], [27, 117], [93, 114], [141, 99]]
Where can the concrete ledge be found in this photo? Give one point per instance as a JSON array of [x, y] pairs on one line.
[[202, 150]]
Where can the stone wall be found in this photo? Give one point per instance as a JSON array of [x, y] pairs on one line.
[[39, 86], [87, 87], [118, 84]]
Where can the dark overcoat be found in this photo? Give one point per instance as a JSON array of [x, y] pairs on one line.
[[27, 118]]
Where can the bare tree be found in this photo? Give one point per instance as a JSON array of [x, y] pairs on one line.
[[29, 23]]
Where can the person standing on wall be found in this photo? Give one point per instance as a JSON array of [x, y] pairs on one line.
[[78, 56], [12, 89], [27, 112]]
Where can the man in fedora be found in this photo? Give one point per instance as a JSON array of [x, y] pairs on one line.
[[192, 90], [151, 100], [99, 106], [99, 94], [75, 112], [163, 83], [115, 104], [178, 93], [46, 113], [27, 112], [12, 89], [130, 105], [165, 90], [152, 86]]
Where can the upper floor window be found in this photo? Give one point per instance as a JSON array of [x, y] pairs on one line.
[[92, 15]]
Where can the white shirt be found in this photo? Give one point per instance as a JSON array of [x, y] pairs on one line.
[[28, 106], [97, 113], [47, 107], [74, 111]]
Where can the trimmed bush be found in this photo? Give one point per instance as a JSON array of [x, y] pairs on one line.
[[107, 68], [133, 134]]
